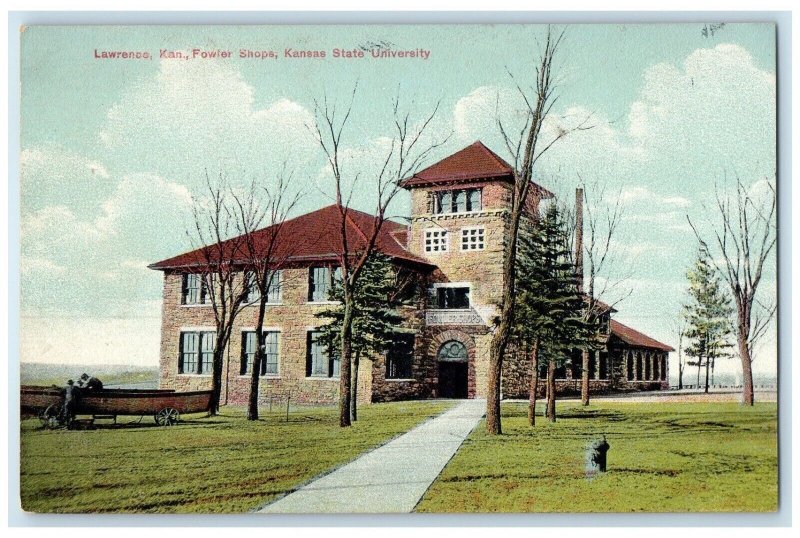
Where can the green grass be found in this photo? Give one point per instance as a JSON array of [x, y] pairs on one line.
[[214, 464], [664, 457]]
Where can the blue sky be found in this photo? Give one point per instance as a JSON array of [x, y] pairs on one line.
[[113, 150]]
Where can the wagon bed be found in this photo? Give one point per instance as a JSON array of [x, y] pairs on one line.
[[165, 405]]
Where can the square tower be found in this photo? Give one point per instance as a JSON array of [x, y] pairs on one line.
[[459, 222]]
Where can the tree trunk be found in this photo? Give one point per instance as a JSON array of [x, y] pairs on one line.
[[585, 376], [496, 353], [258, 358], [680, 374], [551, 390], [748, 397], [493, 425], [503, 332], [534, 384], [354, 388], [713, 362], [708, 364], [699, 366], [345, 364], [216, 371]]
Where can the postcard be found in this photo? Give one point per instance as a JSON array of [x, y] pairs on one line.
[[519, 268]]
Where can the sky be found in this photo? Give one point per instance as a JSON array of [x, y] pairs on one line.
[[114, 151]]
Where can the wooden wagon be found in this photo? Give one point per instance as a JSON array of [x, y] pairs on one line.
[[164, 405]]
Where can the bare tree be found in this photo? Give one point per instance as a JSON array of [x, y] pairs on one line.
[[602, 224], [219, 247], [679, 326], [743, 243], [264, 254], [402, 159], [525, 148]]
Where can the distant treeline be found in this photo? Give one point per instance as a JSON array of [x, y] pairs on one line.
[[722, 378], [111, 374]]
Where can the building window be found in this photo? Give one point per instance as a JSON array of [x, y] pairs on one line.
[[319, 361], [320, 282], [269, 365], [252, 287], [472, 239], [638, 366], [458, 201], [435, 240], [273, 287], [452, 298], [196, 354], [400, 357], [629, 366], [453, 351], [603, 365], [460, 205], [474, 201], [445, 202], [195, 289]]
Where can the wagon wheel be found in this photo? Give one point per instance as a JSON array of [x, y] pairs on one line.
[[167, 416], [50, 417]]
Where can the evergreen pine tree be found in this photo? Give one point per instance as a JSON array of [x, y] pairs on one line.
[[708, 314], [375, 318], [550, 309]]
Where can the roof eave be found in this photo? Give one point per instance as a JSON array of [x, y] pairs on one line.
[[159, 266], [416, 181]]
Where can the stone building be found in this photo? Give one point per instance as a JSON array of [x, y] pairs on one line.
[[452, 252]]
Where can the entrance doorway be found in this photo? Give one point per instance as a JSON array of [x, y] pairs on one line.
[[453, 370]]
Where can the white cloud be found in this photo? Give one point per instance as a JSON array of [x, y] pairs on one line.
[[638, 194], [475, 115], [205, 117], [52, 175], [99, 265], [32, 265], [715, 111]]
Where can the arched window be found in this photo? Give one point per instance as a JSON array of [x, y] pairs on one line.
[[452, 351]]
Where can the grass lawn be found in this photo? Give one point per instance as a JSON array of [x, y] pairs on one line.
[[216, 464], [664, 457]]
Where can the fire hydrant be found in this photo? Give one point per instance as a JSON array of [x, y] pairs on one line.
[[596, 456]]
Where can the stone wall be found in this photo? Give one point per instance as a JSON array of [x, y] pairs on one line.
[[293, 318]]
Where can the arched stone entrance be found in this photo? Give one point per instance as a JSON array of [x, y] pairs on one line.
[[453, 360]]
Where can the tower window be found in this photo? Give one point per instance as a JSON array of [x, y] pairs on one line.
[[458, 201], [436, 241], [473, 238]]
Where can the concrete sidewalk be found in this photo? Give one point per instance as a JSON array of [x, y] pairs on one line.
[[391, 478]]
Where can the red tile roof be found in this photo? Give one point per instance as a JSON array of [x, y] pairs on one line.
[[473, 162], [316, 236], [634, 338]]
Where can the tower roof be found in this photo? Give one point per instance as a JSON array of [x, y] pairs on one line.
[[474, 162]]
